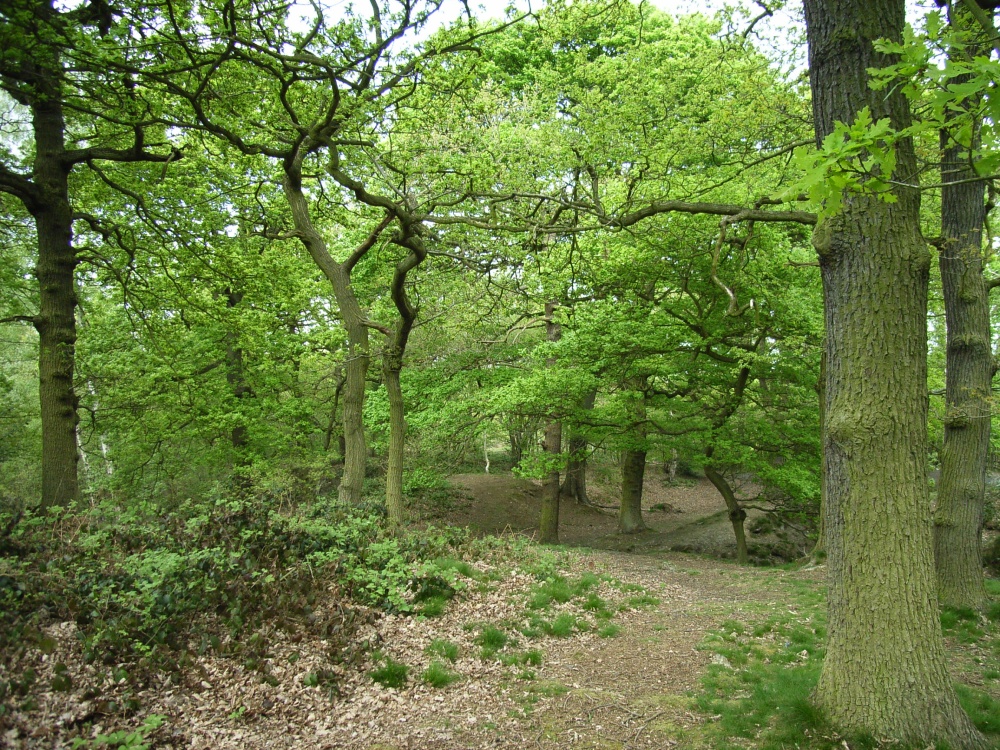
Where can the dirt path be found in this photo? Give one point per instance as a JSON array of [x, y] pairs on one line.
[[627, 691], [688, 516]]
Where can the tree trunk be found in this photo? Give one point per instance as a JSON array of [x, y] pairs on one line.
[[575, 485], [397, 441], [56, 320], [355, 379], [630, 512], [819, 550], [548, 524], [885, 672], [671, 465], [634, 460], [736, 513], [959, 515], [351, 315]]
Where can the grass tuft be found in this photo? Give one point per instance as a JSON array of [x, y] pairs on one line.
[[438, 675], [392, 674], [443, 648]]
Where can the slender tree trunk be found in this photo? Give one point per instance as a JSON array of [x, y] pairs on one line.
[[670, 466], [549, 523], [737, 516], [56, 319], [332, 423], [634, 461], [959, 515], [885, 672], [397, 440], [409, 238], [353, 319], [575, 484]]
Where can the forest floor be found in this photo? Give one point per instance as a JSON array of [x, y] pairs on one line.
[[615, 662]]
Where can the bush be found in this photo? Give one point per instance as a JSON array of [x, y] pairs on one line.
[[143, 581]]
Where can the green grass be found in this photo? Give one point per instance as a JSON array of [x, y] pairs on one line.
[[532, 658], [983, 709], [562, 626], [438, 675], [443, 648], [459, 566], [433, 606], [392, 674], [642, 601], [561, 590], [491, 639], [609, 630]]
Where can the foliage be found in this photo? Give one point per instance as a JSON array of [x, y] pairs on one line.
[[135, 740], [144, 581]]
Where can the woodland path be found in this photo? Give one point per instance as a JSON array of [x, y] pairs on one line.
[[627, 691]]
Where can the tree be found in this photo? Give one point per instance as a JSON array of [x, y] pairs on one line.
[[885, 672], [55, 65]]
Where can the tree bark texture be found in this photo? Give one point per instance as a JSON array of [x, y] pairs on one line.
[[959, 515], [56, 319], [885, 671], [548, 524]]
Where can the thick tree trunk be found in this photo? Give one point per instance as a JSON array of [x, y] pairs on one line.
[[959, 516], [548, 524], [355, 380], [56, 319], [737, 515], [575, 485], [885, 672], [630, 512], [819, 550]]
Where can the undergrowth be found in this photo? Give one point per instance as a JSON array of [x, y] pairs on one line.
[[153, 584]]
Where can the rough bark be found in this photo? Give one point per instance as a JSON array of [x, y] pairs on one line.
[[56, 320], [885, 672], [575, 485], [548, 524], [959, 515]]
